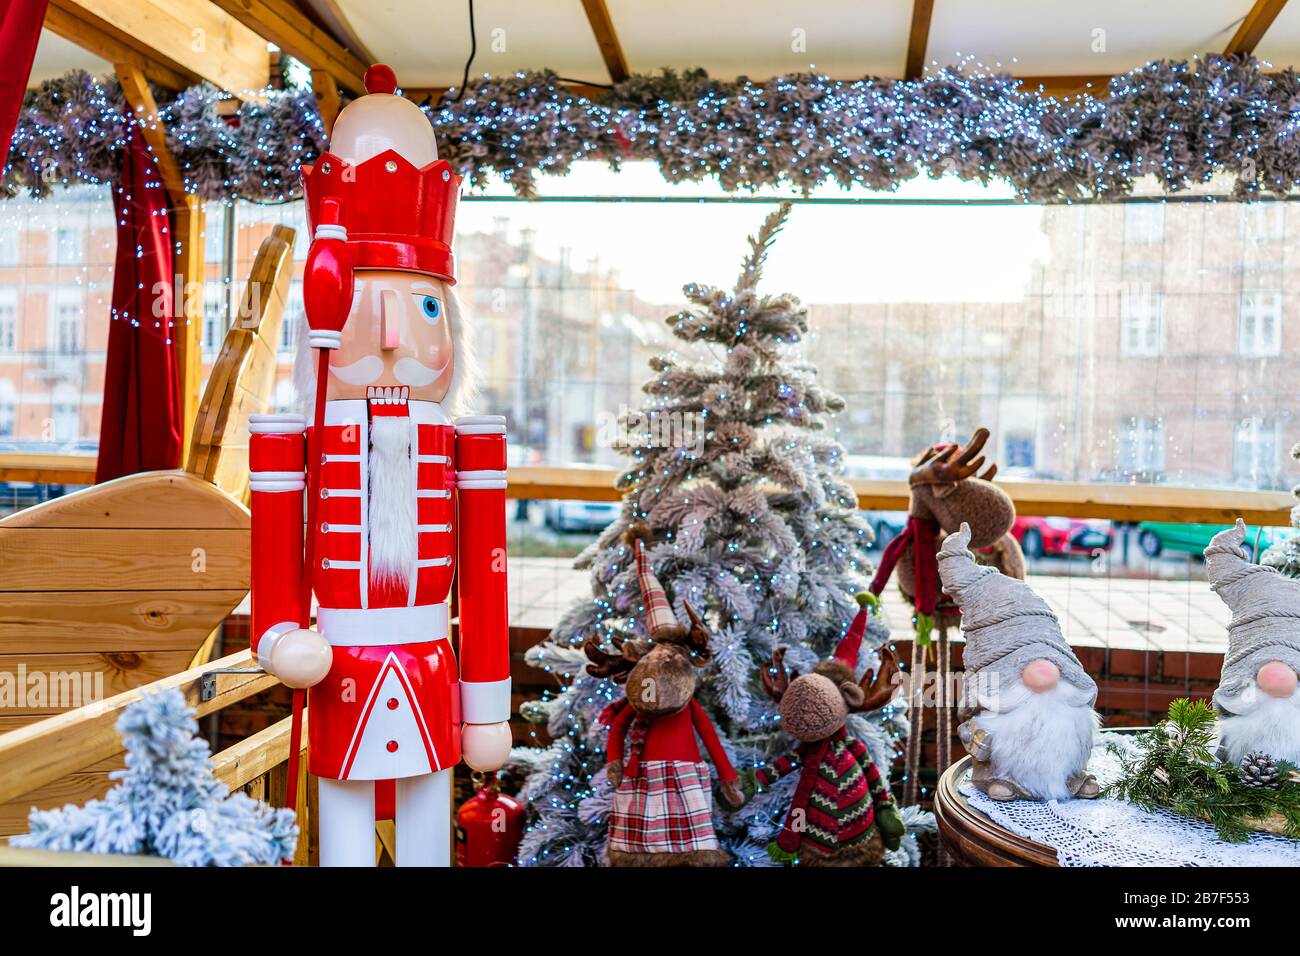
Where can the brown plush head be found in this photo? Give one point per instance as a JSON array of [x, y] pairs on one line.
[[814, 706], [944, 489], [660, 676]]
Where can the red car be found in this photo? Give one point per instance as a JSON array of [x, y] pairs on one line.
[[1042, 536]]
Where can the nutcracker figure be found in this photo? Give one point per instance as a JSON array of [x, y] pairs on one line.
[[400, 497]]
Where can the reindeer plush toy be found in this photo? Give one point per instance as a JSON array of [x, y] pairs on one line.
[[842, 813], [662, 813], [945, 491]]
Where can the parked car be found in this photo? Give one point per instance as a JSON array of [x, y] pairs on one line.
[[22, 494], [588, 516], [1157, 537], [1061, 536], [886, 525]]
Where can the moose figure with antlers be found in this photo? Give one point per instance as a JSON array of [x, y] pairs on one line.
[[842, 813], [662, 812], [946, 489]]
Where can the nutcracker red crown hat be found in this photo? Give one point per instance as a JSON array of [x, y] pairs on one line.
[[660, 621], [382, 182]]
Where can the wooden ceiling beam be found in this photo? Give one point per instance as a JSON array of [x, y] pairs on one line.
[[1253, 27], [327, 98], [433, 94], [289, 28], [176, 43], [918, 39], [108, 45], [1062, 86], [602, 27]]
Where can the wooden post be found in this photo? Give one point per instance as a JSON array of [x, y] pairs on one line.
[[187, 234], [327, 97]]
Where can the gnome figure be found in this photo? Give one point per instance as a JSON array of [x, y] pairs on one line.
[[1259, 709], [1026, 706]]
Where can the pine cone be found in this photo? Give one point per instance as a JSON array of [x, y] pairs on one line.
[[1259, 770]]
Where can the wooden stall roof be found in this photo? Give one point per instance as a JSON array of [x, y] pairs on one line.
[[1058, 47]]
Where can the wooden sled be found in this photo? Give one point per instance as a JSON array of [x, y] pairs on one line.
[[121, 584]]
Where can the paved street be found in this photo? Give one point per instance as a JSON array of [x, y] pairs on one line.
[[1095, 610]]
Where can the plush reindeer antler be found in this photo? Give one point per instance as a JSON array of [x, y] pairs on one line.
[[879, 689], [775, 678], [697, 638], [951, 463], [614, 666]]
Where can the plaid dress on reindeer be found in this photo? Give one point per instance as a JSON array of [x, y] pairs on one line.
[[664, 802], [663, 805]]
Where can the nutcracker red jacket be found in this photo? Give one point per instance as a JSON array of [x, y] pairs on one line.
[[393, 701]]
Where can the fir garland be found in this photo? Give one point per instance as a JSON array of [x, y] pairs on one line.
[[1181, 122], [1174, 770]]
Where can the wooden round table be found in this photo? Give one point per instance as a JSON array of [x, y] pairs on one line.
[[971, 838]]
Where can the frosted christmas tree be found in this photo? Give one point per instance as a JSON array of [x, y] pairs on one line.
[[754, 525], [1285, 555], [167, 802]]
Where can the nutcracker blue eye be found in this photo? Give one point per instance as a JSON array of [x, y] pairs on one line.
[[430, 307]]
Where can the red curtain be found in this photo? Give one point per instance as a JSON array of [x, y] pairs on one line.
[[140, 429], [20, 29]]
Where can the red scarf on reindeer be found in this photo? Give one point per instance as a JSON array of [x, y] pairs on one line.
[[920, 534]]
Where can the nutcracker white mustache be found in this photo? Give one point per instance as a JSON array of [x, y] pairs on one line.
[[407, 370]]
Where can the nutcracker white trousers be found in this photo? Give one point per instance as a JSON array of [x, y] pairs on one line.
[[347, 821]]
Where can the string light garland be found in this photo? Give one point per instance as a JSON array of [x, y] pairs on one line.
[[1180, 122]]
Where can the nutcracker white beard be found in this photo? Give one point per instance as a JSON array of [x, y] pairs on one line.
[[392, 515], [1258, 721], [1041, 740]]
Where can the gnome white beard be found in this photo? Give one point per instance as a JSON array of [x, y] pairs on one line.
[[1258, 721], [393, 542], [1040, 741]]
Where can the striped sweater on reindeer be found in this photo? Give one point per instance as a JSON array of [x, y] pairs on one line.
[[834, 803]]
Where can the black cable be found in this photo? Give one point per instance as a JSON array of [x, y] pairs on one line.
[[473, 51]]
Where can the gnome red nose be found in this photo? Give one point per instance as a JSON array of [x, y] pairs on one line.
[[1040, 676], [1276, 679]]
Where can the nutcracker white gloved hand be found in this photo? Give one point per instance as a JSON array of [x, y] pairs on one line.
[[300, 658], [485, 747]]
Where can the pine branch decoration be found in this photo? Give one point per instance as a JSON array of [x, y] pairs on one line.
[[1174, 770]]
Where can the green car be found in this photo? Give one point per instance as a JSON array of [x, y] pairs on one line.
[[1157, 537]]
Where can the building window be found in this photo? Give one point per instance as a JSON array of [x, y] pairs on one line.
[[293, 318], [1141, 446], [213, 310], [8, 414], [1144, 223], [1259, 326], [1142, 322], [8, 325], [67, 247], [1263, 220], [9, 248], [1254, 451], [67, 328], [66, 414], [1019, 450]]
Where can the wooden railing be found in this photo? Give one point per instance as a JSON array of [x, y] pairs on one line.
[[1118, 502], [37, 762]]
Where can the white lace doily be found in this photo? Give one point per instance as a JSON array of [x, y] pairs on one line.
[[1117, 833]]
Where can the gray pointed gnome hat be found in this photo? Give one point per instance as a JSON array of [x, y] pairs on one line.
[[1265, 607], [1006, 625]]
